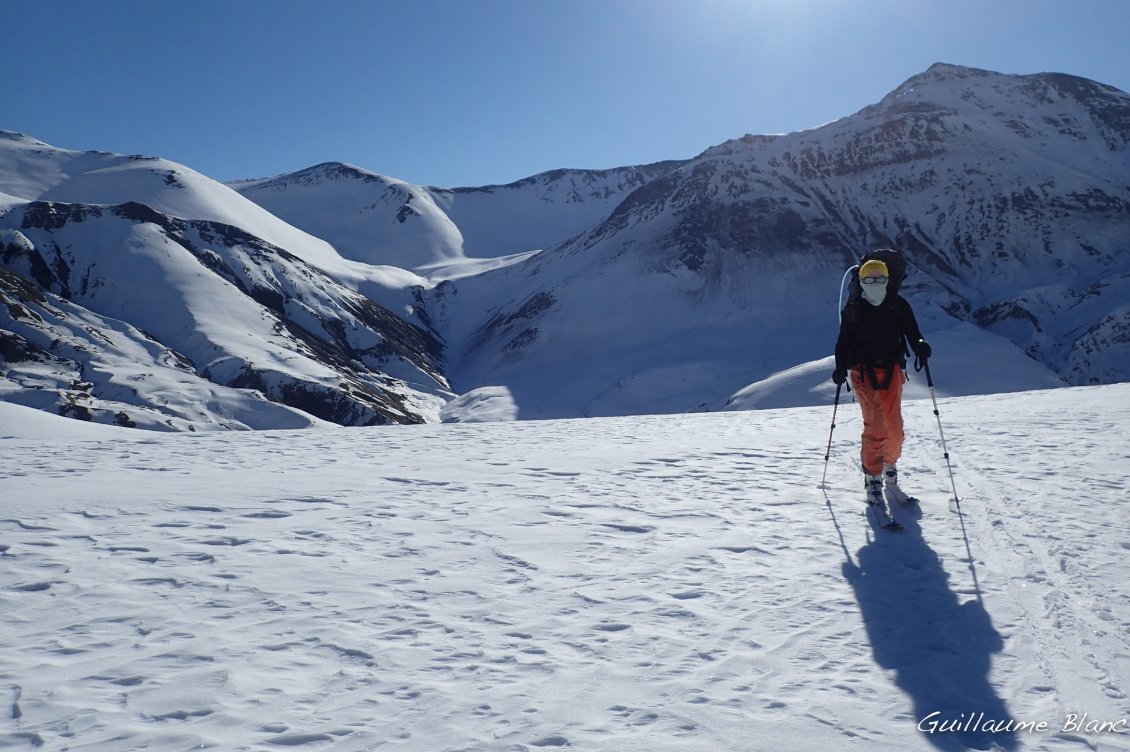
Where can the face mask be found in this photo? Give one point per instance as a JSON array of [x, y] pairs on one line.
[[875, 293]]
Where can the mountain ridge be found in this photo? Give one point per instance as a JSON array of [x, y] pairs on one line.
[[917, 172], [680, 285]]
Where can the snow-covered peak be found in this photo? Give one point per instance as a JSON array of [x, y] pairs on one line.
[[702, 283], [1038, 106], [367, 217], [945, 73], [1008, 193], [34, 171], [325, 172], [381, 220], [17, 137], [949, 106]]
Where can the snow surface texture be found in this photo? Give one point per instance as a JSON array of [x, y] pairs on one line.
[[649, 583]]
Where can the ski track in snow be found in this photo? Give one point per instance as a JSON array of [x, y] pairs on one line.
[[652, 583]]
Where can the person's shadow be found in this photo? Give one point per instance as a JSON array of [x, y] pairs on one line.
[[939, 648]]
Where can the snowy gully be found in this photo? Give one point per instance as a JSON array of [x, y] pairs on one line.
[[1076, 722]]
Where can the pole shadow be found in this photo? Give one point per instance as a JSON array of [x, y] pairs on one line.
[[939, 648]]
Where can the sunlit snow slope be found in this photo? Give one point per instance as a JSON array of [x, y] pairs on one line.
[[642, 583]]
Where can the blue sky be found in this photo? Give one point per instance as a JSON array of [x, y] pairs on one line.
[[474, 92]]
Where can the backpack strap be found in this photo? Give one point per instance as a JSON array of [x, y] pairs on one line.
[[873, 377]]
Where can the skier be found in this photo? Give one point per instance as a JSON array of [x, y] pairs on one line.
[[871, 345]]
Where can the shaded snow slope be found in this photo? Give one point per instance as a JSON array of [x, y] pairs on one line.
[[611, 584], [542, 210]]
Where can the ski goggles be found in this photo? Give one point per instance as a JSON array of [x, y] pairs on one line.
[[874, 280]]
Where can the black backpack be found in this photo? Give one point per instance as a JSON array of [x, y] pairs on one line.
[[896, 268]]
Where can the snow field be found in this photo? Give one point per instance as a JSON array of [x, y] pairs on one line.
[[651, 583]]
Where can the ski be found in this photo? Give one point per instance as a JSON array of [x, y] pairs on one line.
[[899, 497], [880, 518]]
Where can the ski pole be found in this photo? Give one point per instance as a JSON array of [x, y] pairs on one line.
[[945, 452], [828, 452]]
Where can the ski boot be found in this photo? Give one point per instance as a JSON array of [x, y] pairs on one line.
[[873, 484], [876, 504], [895, 495]]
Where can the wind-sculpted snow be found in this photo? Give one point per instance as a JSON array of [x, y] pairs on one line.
[[646, 583]]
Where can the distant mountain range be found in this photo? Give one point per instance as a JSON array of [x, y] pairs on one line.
[[138, 291]]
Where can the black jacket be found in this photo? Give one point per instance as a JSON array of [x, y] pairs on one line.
[[876, 336]]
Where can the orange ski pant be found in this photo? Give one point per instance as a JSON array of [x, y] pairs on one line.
[[882, 418]]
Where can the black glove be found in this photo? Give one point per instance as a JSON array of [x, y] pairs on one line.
[[922, 349], [839, 376]]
